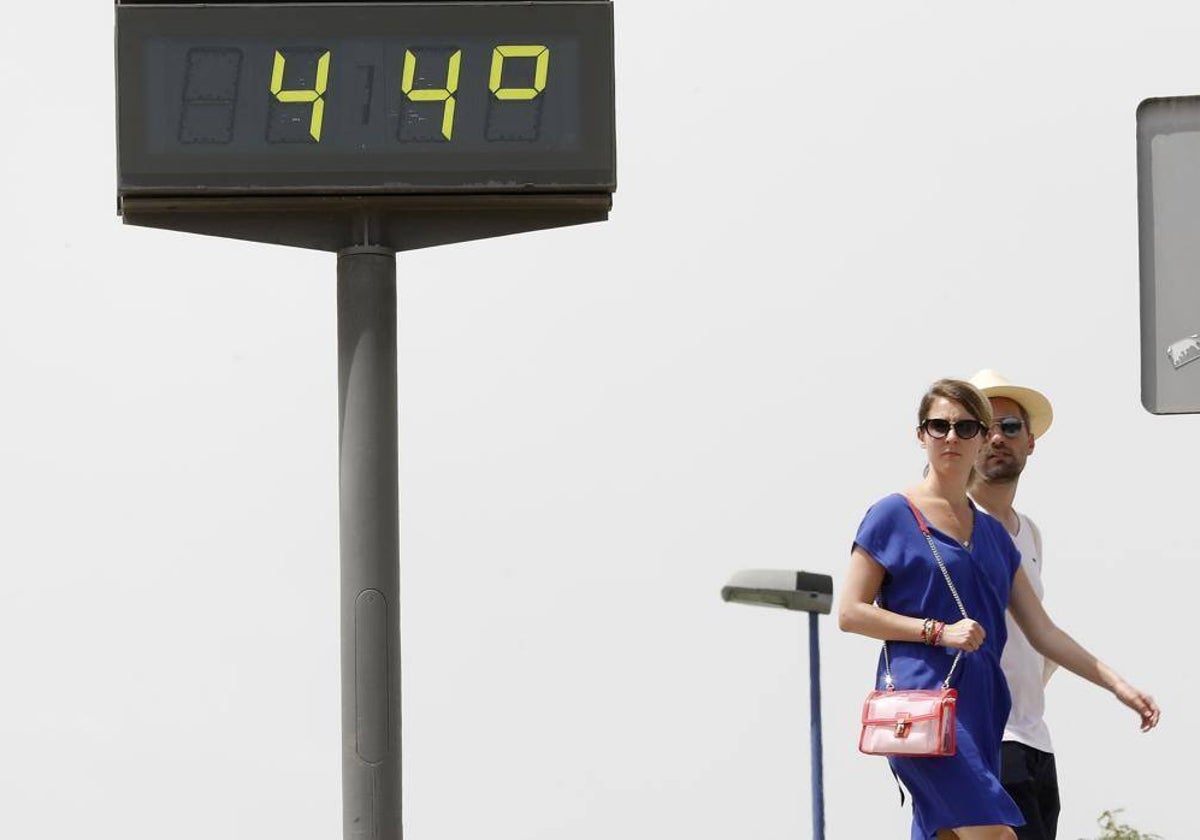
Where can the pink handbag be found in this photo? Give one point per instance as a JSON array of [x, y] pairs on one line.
[[913, 722]]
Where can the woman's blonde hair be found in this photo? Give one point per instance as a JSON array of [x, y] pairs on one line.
[[963, 393]]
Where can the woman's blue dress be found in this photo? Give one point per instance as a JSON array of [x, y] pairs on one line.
[[963, 789]]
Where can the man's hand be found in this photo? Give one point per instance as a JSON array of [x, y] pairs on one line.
[[1140, 702]]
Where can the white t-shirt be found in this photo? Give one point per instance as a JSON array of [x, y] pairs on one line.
[[1025, 668]]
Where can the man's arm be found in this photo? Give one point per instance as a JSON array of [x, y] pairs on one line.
[[1049, 666], [1053, 643]]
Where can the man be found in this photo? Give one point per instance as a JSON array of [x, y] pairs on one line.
[[1020, 417]]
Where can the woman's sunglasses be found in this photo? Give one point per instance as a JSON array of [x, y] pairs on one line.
[[939, 427]]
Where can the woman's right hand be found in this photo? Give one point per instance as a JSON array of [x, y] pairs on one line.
[[965, 635]]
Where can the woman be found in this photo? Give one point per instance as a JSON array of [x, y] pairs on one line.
[[959, 796]]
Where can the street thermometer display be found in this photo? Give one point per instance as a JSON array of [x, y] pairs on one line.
[[366, 98], [249, 96], [366, 129]]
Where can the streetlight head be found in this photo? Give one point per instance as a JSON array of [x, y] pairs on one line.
[[803, 591]]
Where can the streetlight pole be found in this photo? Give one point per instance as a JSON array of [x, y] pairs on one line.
[[804, 592], [814, 710]]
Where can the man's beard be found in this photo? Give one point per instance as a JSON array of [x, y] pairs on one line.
[[999, 472]]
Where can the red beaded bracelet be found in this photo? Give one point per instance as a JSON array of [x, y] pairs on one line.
[[938, 628]]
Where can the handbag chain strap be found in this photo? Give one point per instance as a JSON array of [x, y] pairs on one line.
[[887, 674]]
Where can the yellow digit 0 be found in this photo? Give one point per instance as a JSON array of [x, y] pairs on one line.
[[445, 94], [540, 72], [316, 95]]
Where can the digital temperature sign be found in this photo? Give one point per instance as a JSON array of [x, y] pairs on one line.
[[360, 99]]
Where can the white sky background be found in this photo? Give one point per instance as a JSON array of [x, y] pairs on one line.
[[598, 426]]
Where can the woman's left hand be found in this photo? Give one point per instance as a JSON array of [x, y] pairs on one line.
[[1140, 702]]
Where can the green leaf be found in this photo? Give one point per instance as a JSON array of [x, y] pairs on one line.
[[1113, 830]]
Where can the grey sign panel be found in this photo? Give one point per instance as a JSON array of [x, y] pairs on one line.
[[1168, 153]]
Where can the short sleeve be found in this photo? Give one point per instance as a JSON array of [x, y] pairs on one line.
[[880, 534]]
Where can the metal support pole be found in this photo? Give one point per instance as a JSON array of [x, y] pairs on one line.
[[814, 705], [369, 491]]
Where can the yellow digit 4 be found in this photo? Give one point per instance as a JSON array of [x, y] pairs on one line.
[[445, 94], [540, 71], [316, 95]]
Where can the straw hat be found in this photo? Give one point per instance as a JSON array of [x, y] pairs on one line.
[[992, 384]]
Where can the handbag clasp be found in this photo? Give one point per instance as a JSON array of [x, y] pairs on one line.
[[903, 725]]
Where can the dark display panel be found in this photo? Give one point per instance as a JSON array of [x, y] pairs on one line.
[[366, 99]]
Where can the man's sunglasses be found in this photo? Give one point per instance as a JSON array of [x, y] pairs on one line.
[[1010, 427], [939, 427]]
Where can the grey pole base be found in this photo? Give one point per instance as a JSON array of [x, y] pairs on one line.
[[369, 493]]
